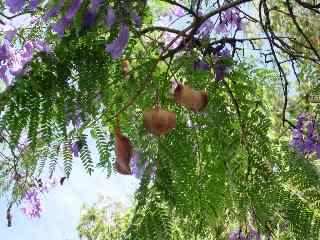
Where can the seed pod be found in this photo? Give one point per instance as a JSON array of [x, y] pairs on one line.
[[123, 150], [193, 100], [159, 121], [125, 67]]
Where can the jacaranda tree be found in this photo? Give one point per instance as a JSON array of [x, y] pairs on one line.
[[209, 103]]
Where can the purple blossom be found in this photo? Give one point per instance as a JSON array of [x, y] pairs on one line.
[[33, 5], [6, 50], [310, 128], [297, 140], [221, 27], [32, 201], [54, 11], [15, 65], [60, 26], [136, 18], [239, 24], [117, 46], [136, 170], [206, 28], [202, 65], [74, 147], [27, 52], [308, 145], [230, 19], [226, 53], [3, 76], [110, 18], [300, 120], [236, 235], [73, 9], [90, 16], [178, 11], [42, 46], [15, 5], [219, 71], [9, 31], [254, 235]]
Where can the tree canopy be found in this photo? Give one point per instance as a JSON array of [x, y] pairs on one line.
[[212, 104]]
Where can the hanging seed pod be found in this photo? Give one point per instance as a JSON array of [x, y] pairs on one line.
[[123, 150], [159, 121], [193, 100], [125, 67]]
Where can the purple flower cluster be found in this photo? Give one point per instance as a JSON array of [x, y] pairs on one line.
[[238, 235], [137, 170], [219, 67], [8, 30], [305, 138], [12, 62], [206, 28], [116, 48], [230, 19], [66, 20], [74, 148], [32, 201]]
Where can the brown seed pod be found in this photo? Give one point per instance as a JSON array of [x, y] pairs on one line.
[[159, 121], [125, 67], [193, 100], [123, 150]]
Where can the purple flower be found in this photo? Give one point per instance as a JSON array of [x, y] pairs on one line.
[[90, 16], [226, 53], [3, 75], [110, 18], [75, 148], [34, 205], [6, 50], [254, 234], [221, 27], [117, 46], [54, 11], [15, 5], [15, 65], [60, 26], [206, 28], [9, 31], [33, 5], [300, 120], [310, 128], [42, 46], [297, 140], [136, 18], [178, 11], [308, 145], [27, 52], [239, 24], [202, 65], [236, 235], [73, 9], [136, 171], [219, 71]]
